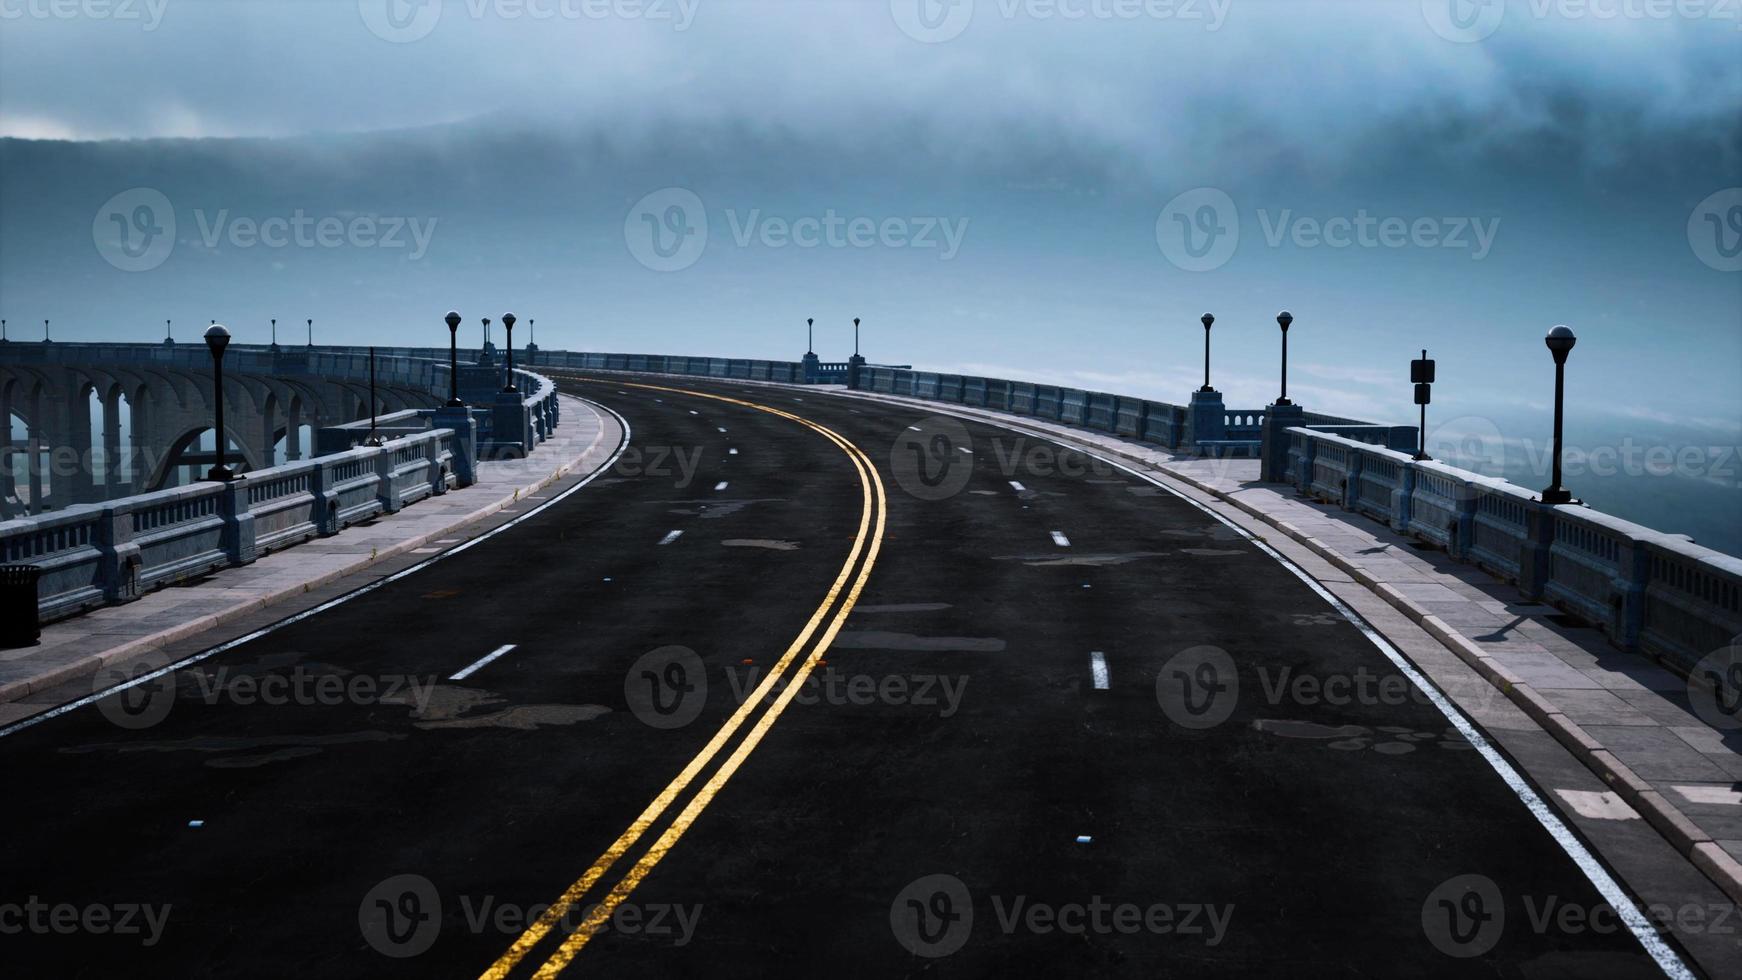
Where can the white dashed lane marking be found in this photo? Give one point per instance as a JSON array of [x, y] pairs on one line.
[[720, 486], [1017, 486], [1098, 669], [669, 538], [480, 665], [731, 452], [1058, 538]]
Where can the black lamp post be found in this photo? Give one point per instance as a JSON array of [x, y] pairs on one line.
[[1560, 343], [1283, 319], [3, 332], [486, 346], [1421, 373], [274, 333], [45, 332], [168, 333], [453, 322], [218, 338], [855, 336], [508, 330], [1207, 319], [810, 335], [311, 332]]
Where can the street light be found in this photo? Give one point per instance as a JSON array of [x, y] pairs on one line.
[[275, 333], [3, 332], [1560, 343], [810, 335], [453, 322], [168, 333], [311, 332], [855, 336], [1207, 319], [218, 338], [1283, 319], [508, 329], [45, 332]]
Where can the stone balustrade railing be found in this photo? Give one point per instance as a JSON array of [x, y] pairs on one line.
[[95, 554], [1657, 593]]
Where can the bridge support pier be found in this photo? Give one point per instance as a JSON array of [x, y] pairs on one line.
[[113, 483]]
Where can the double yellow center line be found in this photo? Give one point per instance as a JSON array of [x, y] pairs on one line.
[[835, 607]]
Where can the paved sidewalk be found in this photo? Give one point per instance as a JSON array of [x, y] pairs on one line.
[[1627, 719], [82, 645]]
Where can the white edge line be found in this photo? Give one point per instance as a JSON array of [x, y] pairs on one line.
[[490, 657], [192, 659], [1605, 883], [1098, 668], [670, 537]]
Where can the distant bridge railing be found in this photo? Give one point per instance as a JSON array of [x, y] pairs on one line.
[[101, 553], [1646, 590], [96, 554]]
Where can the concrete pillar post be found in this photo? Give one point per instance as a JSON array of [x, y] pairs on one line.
[[1273, 448], [1208, 418], [33, 469], [293, 433], [113, 483], [8, 449]]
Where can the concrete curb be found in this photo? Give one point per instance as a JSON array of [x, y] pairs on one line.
[[91, 663], [1674, 826]]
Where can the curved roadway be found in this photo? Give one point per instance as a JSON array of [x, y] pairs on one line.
[[800, 685]]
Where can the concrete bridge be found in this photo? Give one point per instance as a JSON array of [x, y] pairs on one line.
[[1169, 615], [103, 421]]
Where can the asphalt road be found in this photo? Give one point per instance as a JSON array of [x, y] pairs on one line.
[[1022, 713]]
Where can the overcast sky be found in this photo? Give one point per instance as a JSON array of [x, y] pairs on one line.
[[1514, 165]]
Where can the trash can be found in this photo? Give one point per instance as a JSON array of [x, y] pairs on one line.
[[19, 626]]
